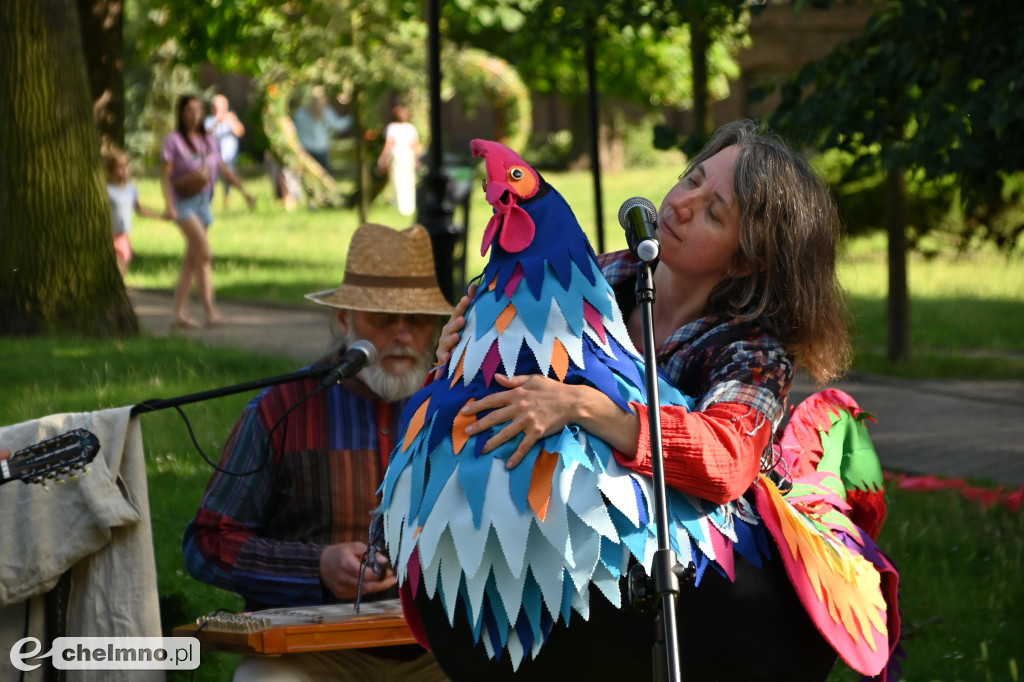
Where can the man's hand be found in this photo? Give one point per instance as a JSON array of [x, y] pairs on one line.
[[339, 571]]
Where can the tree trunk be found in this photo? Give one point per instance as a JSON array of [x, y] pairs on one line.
[[578, 156], [364, 185], [57, 267], [699, 45], [899, 297], [103, 44], [595, 142]]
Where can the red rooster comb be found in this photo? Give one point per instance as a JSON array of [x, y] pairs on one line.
[[509, 181]]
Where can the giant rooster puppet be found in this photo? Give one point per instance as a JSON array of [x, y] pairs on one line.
[[523, 570]]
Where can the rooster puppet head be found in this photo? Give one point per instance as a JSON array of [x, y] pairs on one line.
[[509, 180]]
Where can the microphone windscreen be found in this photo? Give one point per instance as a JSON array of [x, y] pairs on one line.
[[366, 348], [637, 201]]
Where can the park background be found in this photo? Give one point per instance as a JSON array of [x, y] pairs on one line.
[[920, 139]]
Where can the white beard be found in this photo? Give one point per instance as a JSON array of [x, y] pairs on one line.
[[393, 387]]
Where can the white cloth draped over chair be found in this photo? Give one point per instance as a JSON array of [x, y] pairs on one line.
[[96, 526]]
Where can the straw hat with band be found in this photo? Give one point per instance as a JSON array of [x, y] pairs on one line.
[[388, 271]]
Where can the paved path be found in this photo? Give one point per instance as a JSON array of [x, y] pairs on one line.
[[945, 428]]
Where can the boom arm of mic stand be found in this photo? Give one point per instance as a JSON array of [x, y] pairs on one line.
[[663, 573], [316, 372]]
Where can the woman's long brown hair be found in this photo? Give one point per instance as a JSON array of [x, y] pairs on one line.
[[789, 237]]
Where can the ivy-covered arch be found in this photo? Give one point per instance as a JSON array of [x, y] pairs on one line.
[[476, 76], [479, 76]]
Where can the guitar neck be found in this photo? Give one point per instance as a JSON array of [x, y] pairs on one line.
[[52, 458]]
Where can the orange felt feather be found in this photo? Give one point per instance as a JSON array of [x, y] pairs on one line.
[[459, 435], [540, 483], [559, 360], [505, 319], [458, 371], [415, 425]]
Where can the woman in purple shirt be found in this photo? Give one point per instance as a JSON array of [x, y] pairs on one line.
[[187, 150]]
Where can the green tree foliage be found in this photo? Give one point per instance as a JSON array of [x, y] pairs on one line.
[[930, 89], [348, 46], [654, 54], [933, 86], [643, 47], [370, 49], [713, 24]]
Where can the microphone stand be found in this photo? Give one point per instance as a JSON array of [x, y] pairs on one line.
[[662, 588], [316, 372]]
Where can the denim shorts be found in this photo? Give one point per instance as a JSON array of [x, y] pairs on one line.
[[198, 205]]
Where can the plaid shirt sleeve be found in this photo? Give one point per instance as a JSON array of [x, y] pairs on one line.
[[617, 266], [755, 372], [223, 544]]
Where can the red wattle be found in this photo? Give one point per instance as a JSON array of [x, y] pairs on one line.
[[489, 232], [518, 231]]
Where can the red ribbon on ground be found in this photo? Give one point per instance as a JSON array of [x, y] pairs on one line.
[[1013, 499]]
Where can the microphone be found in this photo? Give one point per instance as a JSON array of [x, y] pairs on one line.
[[359, 355], [638, 218]]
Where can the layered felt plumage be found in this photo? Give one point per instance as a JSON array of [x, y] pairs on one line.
[[826, 526], [523, 547]]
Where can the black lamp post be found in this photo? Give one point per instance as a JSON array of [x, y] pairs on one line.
[[595, 128], [435, 206]]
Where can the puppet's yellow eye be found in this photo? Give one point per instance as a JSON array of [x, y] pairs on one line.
[[515, 174]]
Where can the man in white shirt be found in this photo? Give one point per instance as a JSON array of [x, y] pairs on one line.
[[315, 123]]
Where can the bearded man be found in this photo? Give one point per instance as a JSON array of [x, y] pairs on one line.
[[289, 527]]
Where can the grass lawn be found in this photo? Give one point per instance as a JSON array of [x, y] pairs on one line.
[[962, 596]]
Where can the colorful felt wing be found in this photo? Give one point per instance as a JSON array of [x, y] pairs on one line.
[[847, 585]]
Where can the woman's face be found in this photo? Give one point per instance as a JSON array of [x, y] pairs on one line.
[[192, 114], [699, 221]]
